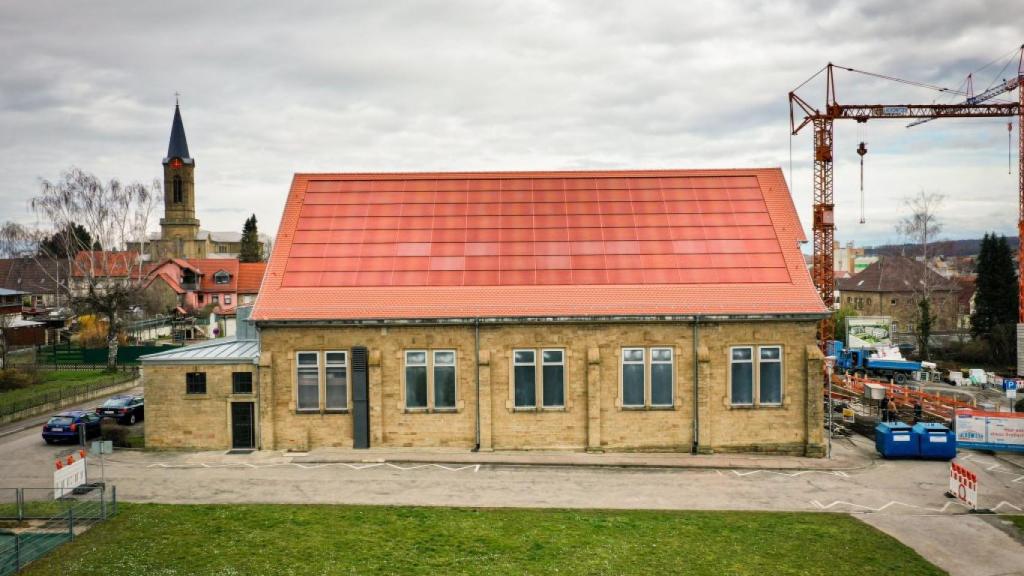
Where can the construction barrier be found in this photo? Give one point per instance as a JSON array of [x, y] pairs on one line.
[[998, 431]]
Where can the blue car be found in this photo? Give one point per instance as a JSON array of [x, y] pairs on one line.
[[65, 426]]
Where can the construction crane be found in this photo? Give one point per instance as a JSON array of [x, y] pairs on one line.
[[822, 120]]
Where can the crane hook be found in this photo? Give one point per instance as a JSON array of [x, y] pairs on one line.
[[861, 151]]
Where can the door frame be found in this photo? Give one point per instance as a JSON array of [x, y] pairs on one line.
[[252, 424]]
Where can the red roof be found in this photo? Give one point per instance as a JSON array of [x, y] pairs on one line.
[[250, 274], [440, 245], [106, 263], [208, 267]]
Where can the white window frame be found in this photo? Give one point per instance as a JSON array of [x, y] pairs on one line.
[[227, 298], [348, 380], [782, 374], [298, 368], [221, 273], [542, 380], [622, 376], [672, 375], [432, 380], [753, 374], [515, 364], [405, 379]]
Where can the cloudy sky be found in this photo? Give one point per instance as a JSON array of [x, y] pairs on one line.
[[277, 88]]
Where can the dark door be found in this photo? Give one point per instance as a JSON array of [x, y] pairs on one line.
[[360, 398], [243, 425]]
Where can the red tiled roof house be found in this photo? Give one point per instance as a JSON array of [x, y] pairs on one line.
[[654, 310]]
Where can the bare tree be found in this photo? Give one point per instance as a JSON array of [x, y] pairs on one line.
[[104, 281], [921, 227]]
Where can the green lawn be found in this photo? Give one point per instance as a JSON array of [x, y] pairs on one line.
[[1018, 521], [321, 539], [56, 382]]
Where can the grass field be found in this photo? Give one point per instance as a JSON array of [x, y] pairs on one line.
[[57, 382], [320, 539], [1018, 521]]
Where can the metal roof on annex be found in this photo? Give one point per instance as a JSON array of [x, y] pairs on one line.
[[220, 351]]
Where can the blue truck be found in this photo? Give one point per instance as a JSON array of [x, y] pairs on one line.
[[858, 361]]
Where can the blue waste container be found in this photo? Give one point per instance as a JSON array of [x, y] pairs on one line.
[[935, 441], [896, 440]]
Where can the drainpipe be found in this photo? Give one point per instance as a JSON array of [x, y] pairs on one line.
[[696, 384], [476, 363]]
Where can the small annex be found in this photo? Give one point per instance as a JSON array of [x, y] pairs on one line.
[[204, 395], [625, 310]]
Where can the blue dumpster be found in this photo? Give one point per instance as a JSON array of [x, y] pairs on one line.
[[935, 441], [895, 440]]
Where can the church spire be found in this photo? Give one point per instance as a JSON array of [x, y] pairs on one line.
[[178, 145]]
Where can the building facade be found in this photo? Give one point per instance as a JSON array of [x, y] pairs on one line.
[[653, 310], [893, 286]]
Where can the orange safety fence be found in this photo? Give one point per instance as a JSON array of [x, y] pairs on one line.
[[900, 396]]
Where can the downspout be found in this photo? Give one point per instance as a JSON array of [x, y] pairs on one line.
[[476, 362], [696, 384]]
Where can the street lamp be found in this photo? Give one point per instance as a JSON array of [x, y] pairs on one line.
[[830, 362]]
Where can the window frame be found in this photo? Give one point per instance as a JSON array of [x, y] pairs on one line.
[[405, 378], [227, 299], [299, 367], [221, 274], [515, 364], [782, 374], [622, 376], [177, 190], [432, 380], [753, 375], [329, 365], [542, 381], [190, 384], [672, 376], [234, 383]]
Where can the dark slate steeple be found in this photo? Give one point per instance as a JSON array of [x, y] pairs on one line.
[[178, 146]]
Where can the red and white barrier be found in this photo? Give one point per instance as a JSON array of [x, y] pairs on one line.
[[68, 474], [963, 485]]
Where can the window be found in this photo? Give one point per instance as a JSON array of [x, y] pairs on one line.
[[633, 377], [307, 379], [770, 375], [524, 368], [550, 376], [661, 376], [416, 379], [742, 375], [199, 298], [215, 299], [336, 385], [893, 302], [179, 195], [221, 277], [553, 378], [444, 379], [241, 382], [222, 248], [195, 383], [227, 298]]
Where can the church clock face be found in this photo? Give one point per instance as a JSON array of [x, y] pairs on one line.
[[176, 163]]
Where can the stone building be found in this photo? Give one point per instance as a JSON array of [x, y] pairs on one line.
[[648, 310], [893, 286], [180, 234]]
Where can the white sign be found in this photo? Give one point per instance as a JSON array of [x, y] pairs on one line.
[[1002, 431], [963, 485], [68, 475]]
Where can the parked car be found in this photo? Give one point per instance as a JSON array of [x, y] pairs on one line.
[[126, 409], [65, 426]]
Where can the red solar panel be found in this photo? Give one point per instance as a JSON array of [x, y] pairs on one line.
[[683, 228]]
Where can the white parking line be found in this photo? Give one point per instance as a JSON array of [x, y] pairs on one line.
[[892, 503]]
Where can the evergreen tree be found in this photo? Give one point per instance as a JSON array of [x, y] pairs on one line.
[[70, 240], [924, 327], [251, 247], [995, 300]]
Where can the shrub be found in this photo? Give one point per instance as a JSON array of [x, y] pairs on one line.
[[1019, 406], [14, 379]]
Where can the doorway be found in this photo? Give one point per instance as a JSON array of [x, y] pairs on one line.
[[243, 426]]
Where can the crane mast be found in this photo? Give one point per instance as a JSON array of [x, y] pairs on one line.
[[824, 205]]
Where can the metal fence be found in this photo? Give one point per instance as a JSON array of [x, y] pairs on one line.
[[33, 522], [68, 392]]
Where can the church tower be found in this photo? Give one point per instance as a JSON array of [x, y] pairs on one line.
[[179, 226]]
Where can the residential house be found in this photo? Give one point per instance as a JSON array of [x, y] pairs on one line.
[[893, 286], [44, 280], [629, 310]]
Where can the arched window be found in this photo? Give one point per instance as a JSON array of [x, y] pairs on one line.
[[178, 194]]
